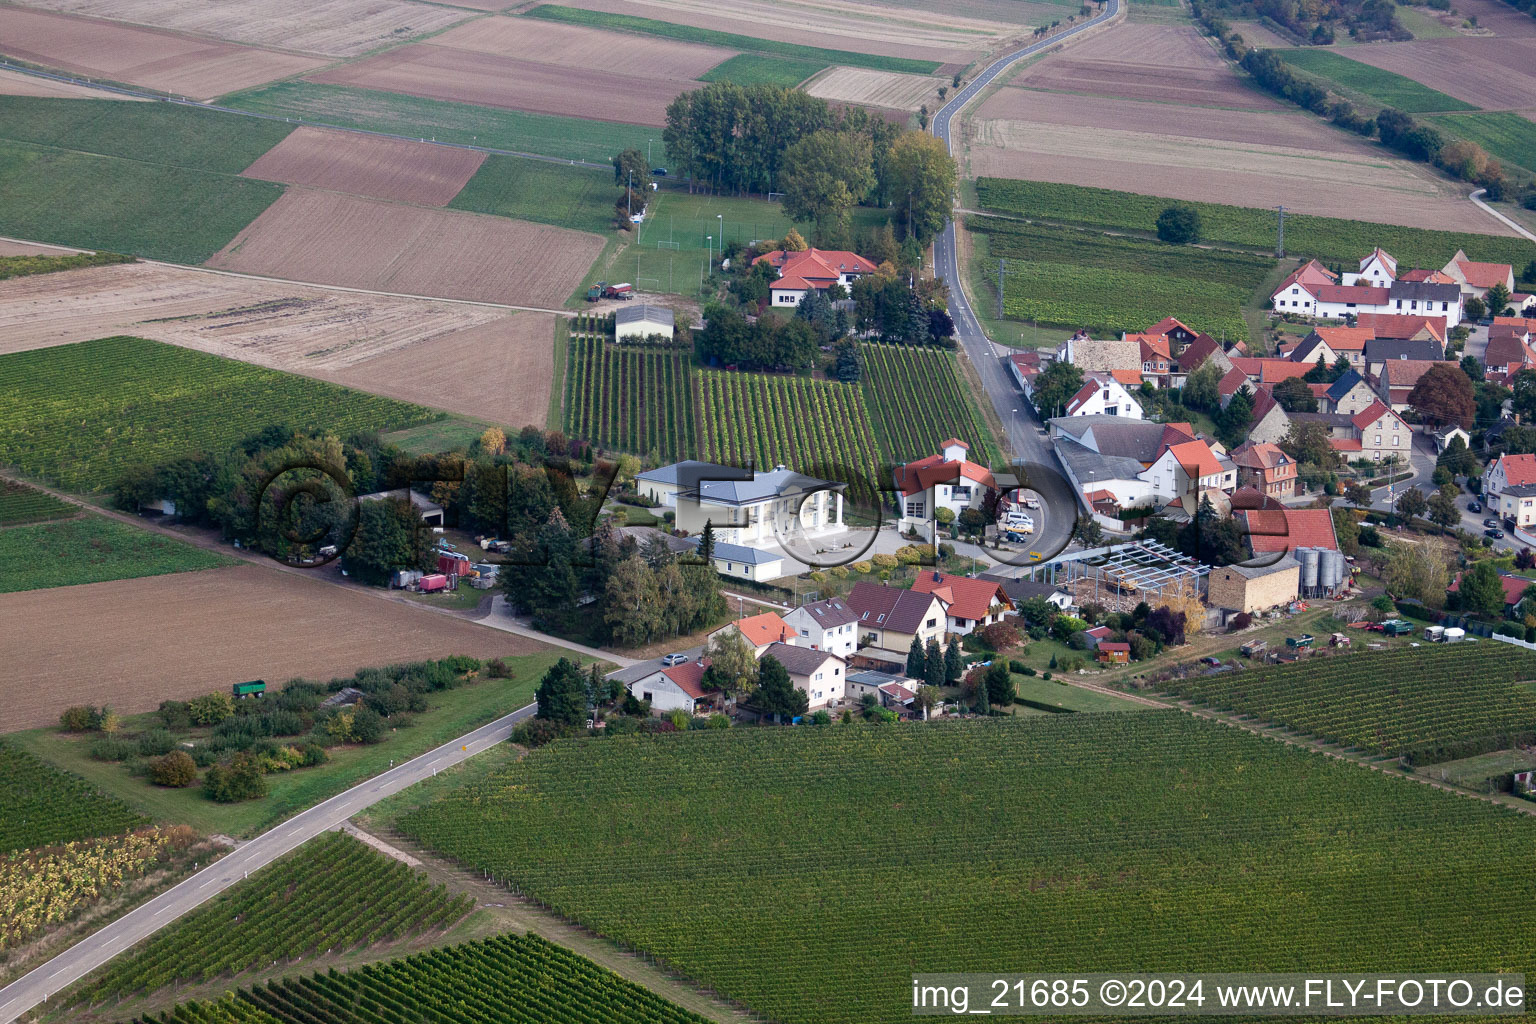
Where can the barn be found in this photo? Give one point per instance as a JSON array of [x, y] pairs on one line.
[[642, 322]]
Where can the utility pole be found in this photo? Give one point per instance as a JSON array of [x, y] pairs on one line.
[[1000, 289], [629, 193], [1280, 240]]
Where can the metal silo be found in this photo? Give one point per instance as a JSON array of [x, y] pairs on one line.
[[1308, 558]]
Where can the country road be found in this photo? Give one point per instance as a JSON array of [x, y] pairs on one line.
[[74, 963], [1025, 434]]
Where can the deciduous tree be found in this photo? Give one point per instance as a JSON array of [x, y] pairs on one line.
[[1443, 396], [922, 178]]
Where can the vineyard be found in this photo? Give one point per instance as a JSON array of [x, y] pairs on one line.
[[1112, 284], [1329, 239], [1430, 703], [43, 887], [333, 894], [632, 398], [509, 979], [815, 427], [916, 400], [1152, 841], [78, 414], [45, 806], [22, 504], [93, 549]]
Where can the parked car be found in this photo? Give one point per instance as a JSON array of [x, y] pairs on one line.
[[1490, 522], [1473, 506], [1494, 534], [660, 172], [674, 659]]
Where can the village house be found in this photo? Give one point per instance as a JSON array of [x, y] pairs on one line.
[[1110, 453], [819, 674], [758, 631], [969, 603], [1348, 395], [1403, 328], [1428, 298], [1377, 269], [1251, 589], [746, 508], [1265, 468], [1270, 422], [1509, 488], [1331, 342], [1381, 351], [1020, 589], [1298, 292], [1104, 394], [1476, 278], [824, 626], [812, 270], [1185, 471], [741, 562], [1264, 370], [1156, 357], [1025, 367], [1377, 432], [676, 688], [890, 690], [1397, 379], [1509, 349], [1282, 531], [889, 617], [1202, 348], [947, 480]]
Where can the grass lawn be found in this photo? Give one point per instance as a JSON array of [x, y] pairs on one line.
[[92, 549], [1037, 654], [569, 197], [374, 110], [1385, 87], [761, 69], [452, 713], [1509, 137], [751, 44], [1065, 695], [1474, 772], [443, 435]]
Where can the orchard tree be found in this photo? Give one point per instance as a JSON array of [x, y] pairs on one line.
[[1411, 503], [1179, 225], [1200, 388]]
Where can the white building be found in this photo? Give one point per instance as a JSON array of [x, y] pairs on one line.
[[1184, 471], [754, 509], [642, 321], [1103, 395], [1377, 270], [822, 676], [947, 480], [1509, 488], [828, 625], [678, 688], [746, 563]]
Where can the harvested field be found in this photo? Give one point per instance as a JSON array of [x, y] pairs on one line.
[[875, 88], [442, 73], [368, 165], [1255, 34], [1503, 19], [196, 68], [1352, 185], [1265, 127], [134, 643], [14, 83], [835, 24], [1496, 74], [365, 243], [576, 46], [333, 28], [1191, 86], [501, 371], [8, 248]]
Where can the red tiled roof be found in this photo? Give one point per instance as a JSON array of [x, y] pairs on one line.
[[1505, 349], [813, 268], [972, 597], [1253, 498], [954, 442], [1346, 444], [935, 469], [1370, 414], [689, 677], [1287, 529], [1319, 390], [1234, 380], [1400, 327], [1519, 470], [1152, 346], [1359, 294], [1426, 277], [791, 282], [1110, 646], [1270, 371], [1167, 324], [1130, 378], [1087, 391], [1513, 586], [763, 629], [1345, 339], [1196, 458], [1197, 352], [1484, 275], [1386, 258], [1405, 373], [1259, 456], [1309, 273]]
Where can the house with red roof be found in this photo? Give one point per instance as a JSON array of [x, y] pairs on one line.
[[758, 631], [1270, 421], [1276, 531], [969, 603], [1298, 292], [1509, 351], [812, 270], [1265, 468], [1332, 342], [1025, 367], [1476, 278], [1512, 585], [1378, 269], [1156, 356], [1198, 351], [1263, 370], [947, 480], [1104, 394], [1183, 471], [1397, 379], [1426, 277], [1397, 327], [677, 688], [1335, 302], [1509, 488], [1375, 433]]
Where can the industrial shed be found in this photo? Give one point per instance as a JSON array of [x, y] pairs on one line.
[[642, 321]]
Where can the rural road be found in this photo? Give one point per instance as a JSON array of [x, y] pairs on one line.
[[1476, 197], [1023, 427], [34, 988]]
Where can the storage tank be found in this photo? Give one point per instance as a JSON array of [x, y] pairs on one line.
[[1308, 558], [1331, 574], [1454, 634]]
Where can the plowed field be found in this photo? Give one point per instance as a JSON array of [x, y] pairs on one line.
[[1265, 127], [576, 46], [876, 88], [1497, 74], [365, 243], [368, 165]]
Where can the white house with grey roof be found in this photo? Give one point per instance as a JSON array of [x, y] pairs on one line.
[[821, 674], [746, 508], [642, 321], [825, 626], [744, 563]]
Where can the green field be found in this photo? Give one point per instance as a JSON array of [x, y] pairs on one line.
[[1508, 137], [730, 40], [509, 979], [1430, 703], [630, 398], [465, 123], [26, 266], [916, 399], [93, 549], [1072, 698], [332, 894], [1075, 278], [22, 504], [1147, 841], [817, 427], [79, 414], [1385, 87], [569, 197], [45, 806], [1325, 238], [1476, 771], [762, 69]]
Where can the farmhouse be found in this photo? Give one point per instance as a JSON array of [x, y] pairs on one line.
[[1020, 590], [1476, 278], [812, 270], [1024, 366], [889, 618], [1183, 471], [1383, 350], [824, 626], [819, 674], [1265, 468], [1375, 433], [1279, 531], [758, 631], [1508, 352], [677, 688], [642, 322], [1378, 269], [1298, 292], [969, 603], [1335, 302], [947, 480], [1509, 488], [1156, 356], [1252, 589], [1348, 395], [1403, 328], [1331, 342]]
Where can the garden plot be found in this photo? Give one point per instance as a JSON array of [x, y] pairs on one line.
[[1496, 74], [332, 28], [593, 49], [445, 73], [365, 243], [368, 165], [196, 68], [875, 88]]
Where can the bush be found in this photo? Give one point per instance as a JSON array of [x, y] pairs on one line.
[[112, 749], [1046, 675], [367, 726], [883, 561], [1000, 636], [460, 664], [1242, 620], [211, 708], [80, 718], [175, 715], [175, 770], [155, 743], [535, 732], [499, 669], [863, 568], [1018, 666], [237, 779], [1179, 225]]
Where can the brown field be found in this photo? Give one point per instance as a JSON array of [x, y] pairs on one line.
[[1255, 34], [1265, 127], [9, 248], [15, 83], [195, 68], [592, 49], [1355, 185], [835, 24], [365, 243], [135, 643], [1497, 74], [875, 88], [334, 28], [502, 371], [1500, 17], [441, 73], [368, 165]]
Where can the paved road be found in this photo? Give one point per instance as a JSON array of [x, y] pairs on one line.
[[101, 946], [1023, 428]]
